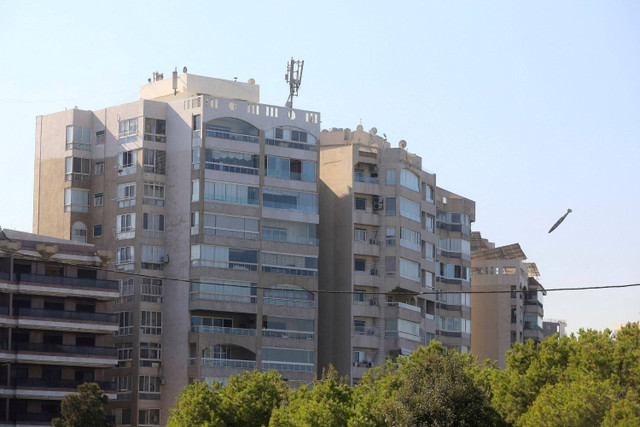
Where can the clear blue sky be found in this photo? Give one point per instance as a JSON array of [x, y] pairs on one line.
[[528, 108]]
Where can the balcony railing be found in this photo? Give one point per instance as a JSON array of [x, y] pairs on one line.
[[365, 330], [288, 366], [404, 305], [231, 363], [281, 333], [71, 281], [364, 178], [67, 315], [221, 330], [209, 296], [58, 383], [231, 135], [78, 350]]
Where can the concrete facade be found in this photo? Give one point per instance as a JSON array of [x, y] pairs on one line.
[[209, 201], [55, 327], [379, 254], [507, 300]]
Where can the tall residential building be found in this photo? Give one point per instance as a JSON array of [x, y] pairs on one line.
[[209, 201], [553, 326], [508, 304], [453, 281], [54, 325], [378, 260]]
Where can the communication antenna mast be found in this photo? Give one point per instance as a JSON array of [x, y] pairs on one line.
[[294, 78]]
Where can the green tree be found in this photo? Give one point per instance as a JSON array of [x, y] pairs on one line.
[[84, 409], [326, 403], [246, 401]]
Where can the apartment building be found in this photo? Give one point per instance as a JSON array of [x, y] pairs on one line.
[[379, 234], [509, 307], [209, 200], [54, 325]]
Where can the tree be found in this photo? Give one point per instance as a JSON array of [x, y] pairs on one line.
[[326, 403], [84, 409], [246, 401]]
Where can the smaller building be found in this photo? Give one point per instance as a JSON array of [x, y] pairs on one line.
[[553, 326], [54, 325], [506, 299]]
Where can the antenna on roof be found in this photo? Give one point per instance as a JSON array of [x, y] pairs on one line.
[[294, 78]]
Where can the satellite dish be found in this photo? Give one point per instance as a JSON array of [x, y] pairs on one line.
[[373, 131], [402, 144], [251, 81], [184, 69]]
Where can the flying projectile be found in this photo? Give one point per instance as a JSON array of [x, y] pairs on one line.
[[558, 222]]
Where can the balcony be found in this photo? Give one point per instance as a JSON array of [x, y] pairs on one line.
[[66, 320], [365, 337], [295, 335], [230, 363], [288, 366], [58, 383], [366, 308], [367, 247], [221, 330], [211, 133], [64, 281], [366, 218], [64, 349]]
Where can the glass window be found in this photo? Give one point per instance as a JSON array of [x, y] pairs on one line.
[[409, 239], [391, 177], [230, 226], [226, 192], [154, 161], [151, 322], [98, 169], [361, 203], [76, 200], [390, 265], [231, 161], [223, 257], [290, 200], [100, 137], [390, 206], [290, 231], [153, 193], [98, 199], [429, 194], [155, 130], [294, 169], [77, 169], [360, 264], [296, 265], [429, 223], [223, 290], [409, 209], [97, 230], [79, 232], [409, 180], [126, 194], [391, 236], [78, 138], [127, 162], [128, 130], [409, 270], [360, 234]]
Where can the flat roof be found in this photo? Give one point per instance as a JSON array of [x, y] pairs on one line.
[[513, 251]]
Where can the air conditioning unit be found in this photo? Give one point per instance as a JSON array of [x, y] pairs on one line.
[[164, 259], [371, 332], [374, 272], [378, 203]]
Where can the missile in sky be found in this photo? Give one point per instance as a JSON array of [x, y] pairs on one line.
[[558, 222]]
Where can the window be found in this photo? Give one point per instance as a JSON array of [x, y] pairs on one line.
[[76, 200], [155, 130], [391, 177], [429, 223], [390, 209], [127, 162], [230, 226], [125, 354], [231, 161], [429, 194], [125, 226], [224, 290], [98, 169], [290, 231], [459, 246], [513, 292], [427, 279], [359, 295], [409, 239], [154, 161], [285, 359], [98, 199], [391, 236], [390, 265], [153, 257], [296, 265], [429, 251], [123, 384], [100, 137], [409, 209], [125, 324], [195, 158], [97, 230], [150, 354], [453, 271], [78, 138], [409, 180], [285, 136], [222, 257], [454, 324], [151, 322], [360, 234], [126, 290], [294, 169], [153, 193], [226, 192], [290, 200], [128, 130], [361, 203], [149, 417], [124, 255], [403, 329], [79, 232], [77, 169], [360, 264], [152, 225], [149, 387], [126, 194], [289, 295], [195, 190], [409, 270], [151, 290]]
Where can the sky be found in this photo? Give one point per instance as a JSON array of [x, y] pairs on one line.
[[528, 108]]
